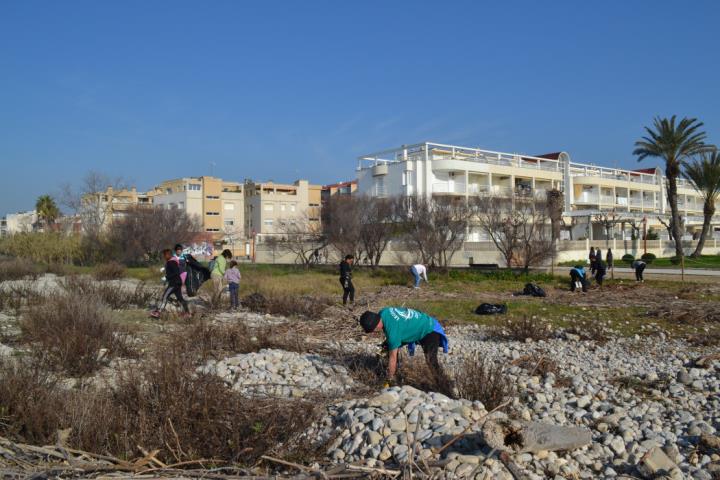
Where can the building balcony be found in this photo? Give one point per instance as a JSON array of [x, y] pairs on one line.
[[454, 188]]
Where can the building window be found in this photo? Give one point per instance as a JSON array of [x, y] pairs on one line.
[[212, 197], [212, 214], [379, 186], [314, 204], [212, 229], [195, 186], [229, 223], [229, 206], [269, 207], [292, 208], [268, 222], [282, 207]]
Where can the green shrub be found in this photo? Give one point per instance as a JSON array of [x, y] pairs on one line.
[[648, 257], [675, 260], [627, 258]]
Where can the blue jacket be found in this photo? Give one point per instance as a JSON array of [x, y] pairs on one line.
[[580, 271], [443, 339]]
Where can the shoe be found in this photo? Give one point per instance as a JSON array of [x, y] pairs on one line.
[[155, 314]]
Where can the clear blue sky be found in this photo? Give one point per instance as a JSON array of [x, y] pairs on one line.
[[281, 90]]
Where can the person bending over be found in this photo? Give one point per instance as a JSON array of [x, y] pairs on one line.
[[639, 267], [577, 278], [419, 272], [407, 327]]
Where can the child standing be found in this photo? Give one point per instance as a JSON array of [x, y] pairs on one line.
[[232, 276]]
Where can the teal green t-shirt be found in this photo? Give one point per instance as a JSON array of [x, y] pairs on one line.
[[405, 325]]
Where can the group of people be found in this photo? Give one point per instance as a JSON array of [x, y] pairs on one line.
[[183, 270], [598, 269]]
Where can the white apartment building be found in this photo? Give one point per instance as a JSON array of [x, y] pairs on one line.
[[431, 170], [18, 222]]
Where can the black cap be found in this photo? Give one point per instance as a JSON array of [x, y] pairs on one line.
[[369, 321]]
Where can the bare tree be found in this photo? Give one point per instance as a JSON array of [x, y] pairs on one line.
[[341, 218], [607, 220], [435, 228], [300, 236], [555, 205], [91, 200], [377, 226], [520, 230], [144, 231]]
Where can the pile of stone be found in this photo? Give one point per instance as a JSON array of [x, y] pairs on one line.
[[278, 373], [398, 423]]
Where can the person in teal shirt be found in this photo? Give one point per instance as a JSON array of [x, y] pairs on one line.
[[407, 327]]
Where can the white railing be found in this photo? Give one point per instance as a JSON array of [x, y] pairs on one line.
[[623, 201], [445, 187], [587, 198], [607, 199], [583, 170], [438, 151], [636, 202]]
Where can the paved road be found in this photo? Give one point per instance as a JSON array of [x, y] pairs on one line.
[[674, 274], [701, 272]]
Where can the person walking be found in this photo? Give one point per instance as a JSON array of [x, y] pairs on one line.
[[419, 272], [591, 258], [407, 327], [346, 279], [232, 276], [577, 278], [217, 272], [639, 267], [174, 284], [182, 261], [609, 261]]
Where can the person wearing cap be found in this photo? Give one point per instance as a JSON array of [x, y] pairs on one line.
[[407, 327]]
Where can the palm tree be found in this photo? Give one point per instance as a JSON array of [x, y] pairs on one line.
[[704, 174], [47, 210], [674, 143]]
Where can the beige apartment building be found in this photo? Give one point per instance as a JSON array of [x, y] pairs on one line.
[[216, 203], [268, 203]]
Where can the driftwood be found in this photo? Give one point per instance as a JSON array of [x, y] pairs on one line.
[[520, 436]]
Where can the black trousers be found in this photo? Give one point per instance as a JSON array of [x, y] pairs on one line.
[[575, 277], [639, 273], [430, 344], [173, 290], [599, 275], [348, 290]]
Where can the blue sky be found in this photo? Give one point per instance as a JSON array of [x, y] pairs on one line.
[[286, 90]]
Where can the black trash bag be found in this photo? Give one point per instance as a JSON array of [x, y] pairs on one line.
[[533, 290], [197, 274], [491, 309]]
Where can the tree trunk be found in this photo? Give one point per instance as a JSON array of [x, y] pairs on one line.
[[676, 226], [708, 212]]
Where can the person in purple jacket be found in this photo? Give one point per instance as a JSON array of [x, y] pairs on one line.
[[232, 276]]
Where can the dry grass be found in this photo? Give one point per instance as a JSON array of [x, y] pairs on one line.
[[162, 403], [19, 296], [73, 333], [213, 340], [523, 328], [18, 269], [287, 305], [536, 364], [110, 271], [115, 295], [478, 379]]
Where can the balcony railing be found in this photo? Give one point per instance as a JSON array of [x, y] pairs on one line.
[[607, 199], [582, 170], [636, 202], [591, 198], [444, 187]]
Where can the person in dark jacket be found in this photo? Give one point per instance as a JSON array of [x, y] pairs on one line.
[[609, 258], [600, 271], [346, 279], [591, 259], [577, 278], [174, 284], [639, 267]]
